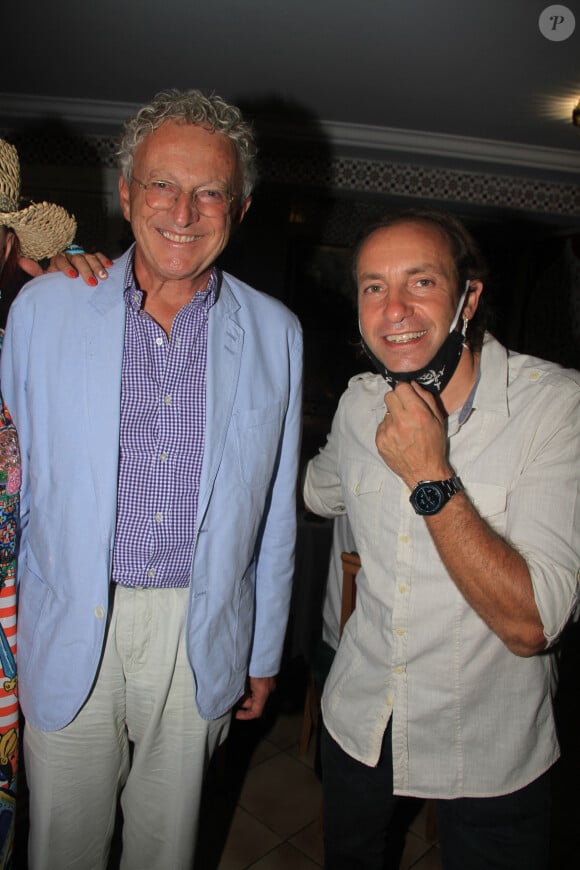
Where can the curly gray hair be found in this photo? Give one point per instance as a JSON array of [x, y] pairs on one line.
[[191, 107]]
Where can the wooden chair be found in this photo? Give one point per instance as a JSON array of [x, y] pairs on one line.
[[350, 567]]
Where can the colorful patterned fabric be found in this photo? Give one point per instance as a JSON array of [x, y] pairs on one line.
[[9, 502]]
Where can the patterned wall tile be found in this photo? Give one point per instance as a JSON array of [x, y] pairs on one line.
[[344, 174]]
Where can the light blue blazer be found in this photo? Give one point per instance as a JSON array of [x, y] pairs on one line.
[[61, 380]]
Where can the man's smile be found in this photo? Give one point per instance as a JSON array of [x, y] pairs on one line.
[[404, 336], [174, 237]]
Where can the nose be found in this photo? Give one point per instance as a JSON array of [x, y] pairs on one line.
[[185, 210], [396, 305]]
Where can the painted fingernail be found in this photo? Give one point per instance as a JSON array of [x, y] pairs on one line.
[[102, 274], [93, 281], [72, 273]]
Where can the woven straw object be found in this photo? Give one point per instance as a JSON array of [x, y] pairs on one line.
[[43, 228]]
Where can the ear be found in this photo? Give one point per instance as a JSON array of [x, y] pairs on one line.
[[125, 197], [241, 213], [472, 299]]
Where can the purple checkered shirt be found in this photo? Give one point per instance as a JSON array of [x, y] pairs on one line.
[[161, 440]]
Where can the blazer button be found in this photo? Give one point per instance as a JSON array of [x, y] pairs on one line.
[[99, 612]]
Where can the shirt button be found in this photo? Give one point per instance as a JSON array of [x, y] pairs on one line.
[[534, 375], [404, 539], [151, 572], [399, 669], [402, 588], [136, 298], [158, 517], [167, 400], [163, 457], [400, 632], [159, 341], [390, 701], [99, 612]]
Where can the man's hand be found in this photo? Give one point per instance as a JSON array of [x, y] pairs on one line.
[[90, 267], [412, 439], [252, 704]]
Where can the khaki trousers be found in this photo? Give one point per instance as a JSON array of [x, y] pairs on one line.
[[140, 736]]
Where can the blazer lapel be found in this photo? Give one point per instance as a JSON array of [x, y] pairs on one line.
[[103, 357], [224, 355]]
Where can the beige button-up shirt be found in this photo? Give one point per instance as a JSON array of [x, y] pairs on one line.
[[470, 718]]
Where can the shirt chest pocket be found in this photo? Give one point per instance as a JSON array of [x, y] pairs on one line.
[[363, 495], [257, 436], [490, 501]]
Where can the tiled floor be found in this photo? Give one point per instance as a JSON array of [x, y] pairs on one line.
[[274, 823]]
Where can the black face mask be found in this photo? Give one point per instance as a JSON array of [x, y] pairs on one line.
[[435, 376]]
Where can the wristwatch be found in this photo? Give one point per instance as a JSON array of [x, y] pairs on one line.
[[429, 496]]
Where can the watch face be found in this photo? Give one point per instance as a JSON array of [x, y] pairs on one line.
[[428, 498]]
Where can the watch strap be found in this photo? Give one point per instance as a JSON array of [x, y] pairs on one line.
[[451, 486], [446, 489]]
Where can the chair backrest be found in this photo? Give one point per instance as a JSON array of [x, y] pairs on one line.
[[350, 567]]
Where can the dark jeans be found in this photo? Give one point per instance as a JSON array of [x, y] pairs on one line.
[[510, 832]]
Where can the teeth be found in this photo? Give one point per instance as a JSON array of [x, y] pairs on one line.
[[172, 237], [404, 336]]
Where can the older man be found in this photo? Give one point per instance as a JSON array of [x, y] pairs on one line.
[[463, 500], [159, 418]]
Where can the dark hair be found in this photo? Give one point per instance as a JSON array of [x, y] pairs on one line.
[[467, 257], [11, 278], [10, 266]]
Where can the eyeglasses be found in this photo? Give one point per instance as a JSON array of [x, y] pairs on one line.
[[162, 195]]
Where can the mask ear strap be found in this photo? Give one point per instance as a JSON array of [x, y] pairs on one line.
[[460, 306]]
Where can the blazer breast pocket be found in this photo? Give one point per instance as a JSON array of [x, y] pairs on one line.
[[258, 439]]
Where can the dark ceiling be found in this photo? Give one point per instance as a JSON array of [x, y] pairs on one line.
[[479, 69]]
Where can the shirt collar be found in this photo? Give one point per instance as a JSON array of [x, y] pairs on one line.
[[491, 394], [465, 411], [487, 393]]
